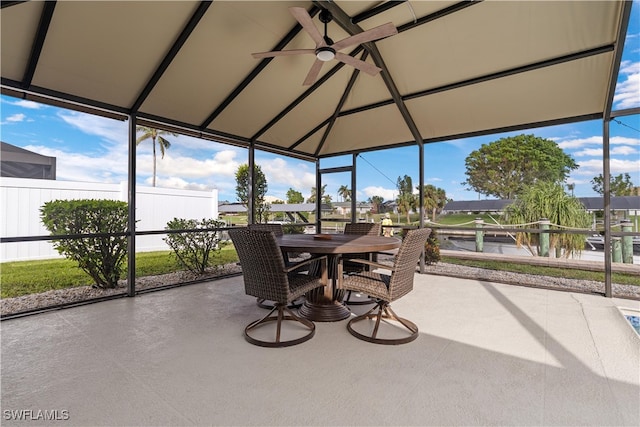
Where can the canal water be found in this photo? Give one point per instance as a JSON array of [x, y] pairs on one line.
[[507, 246]]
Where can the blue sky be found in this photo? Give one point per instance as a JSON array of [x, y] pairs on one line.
[[93, 149]]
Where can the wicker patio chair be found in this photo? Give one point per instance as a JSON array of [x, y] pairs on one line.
[[359, 228], [276, 228], [363, 228], [266, 276], [278, 231], [387, 288]]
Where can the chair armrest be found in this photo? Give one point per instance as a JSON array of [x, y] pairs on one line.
[[324, 271], [364, 262], [340, 285], [385, 253], [297, 265]]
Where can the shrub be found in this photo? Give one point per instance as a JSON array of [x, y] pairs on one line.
[[193, 249], [432, 249], [100, 257], [549, 200], [292, 229]]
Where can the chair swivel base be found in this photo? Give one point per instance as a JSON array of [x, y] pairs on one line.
[[268, 305], [379, 312], [283, 314], [349, 301]]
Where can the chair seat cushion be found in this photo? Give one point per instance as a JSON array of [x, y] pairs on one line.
[[370, 283]]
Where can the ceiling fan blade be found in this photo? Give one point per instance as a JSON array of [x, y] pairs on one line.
[[313, 73], [357, 63], [303, 17], [376, 33], [283, 53]]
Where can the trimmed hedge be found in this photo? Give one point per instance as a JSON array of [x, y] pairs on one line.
[[193, 249], [100, 257]]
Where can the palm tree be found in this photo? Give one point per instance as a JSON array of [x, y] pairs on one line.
[[376, 201], [434, 198], [324, 198], [345, 193], [162, 142], [549, 200], [442, 198], [312, 196], [406, 199]]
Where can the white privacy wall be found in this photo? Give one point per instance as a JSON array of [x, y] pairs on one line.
[[157, 206], [21, 199]]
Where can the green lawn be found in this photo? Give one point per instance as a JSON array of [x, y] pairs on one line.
[[29, 277]]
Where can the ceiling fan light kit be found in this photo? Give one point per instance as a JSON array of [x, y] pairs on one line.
[[326, 50], [325, 53]]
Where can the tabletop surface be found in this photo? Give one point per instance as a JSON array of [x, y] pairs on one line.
[[336, 243]]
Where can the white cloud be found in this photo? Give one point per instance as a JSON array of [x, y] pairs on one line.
[[462, 144], [112, 131], [175, 182], [597, 140], [79, 167], [385, 193], [112, 168], [580, 142], [190, 143], [588, 152], [15, 118], [593, 167], [225, 188], [222, 163], [279, 171], [27, 104], [579, 181], [628, 91], [622, 150], [179, 168], [628, 67]]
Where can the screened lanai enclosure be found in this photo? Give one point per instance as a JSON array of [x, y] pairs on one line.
[[343, 77]]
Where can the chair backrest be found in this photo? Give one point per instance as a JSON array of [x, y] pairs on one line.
[[404, 267], [262, 264], [362, 228], [276, 228]]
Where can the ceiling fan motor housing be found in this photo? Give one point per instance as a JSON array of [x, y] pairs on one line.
[[325, 53]]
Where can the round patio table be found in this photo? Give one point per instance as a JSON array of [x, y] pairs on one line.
[[324, 305]]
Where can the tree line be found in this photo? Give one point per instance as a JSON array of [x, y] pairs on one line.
[[505, 169], [434, 197]]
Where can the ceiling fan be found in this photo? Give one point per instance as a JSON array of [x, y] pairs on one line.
[[326, 49]]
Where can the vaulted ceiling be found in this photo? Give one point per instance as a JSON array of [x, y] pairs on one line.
[[454, 69]]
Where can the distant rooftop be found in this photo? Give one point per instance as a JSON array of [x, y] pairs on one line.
[[20, 163]]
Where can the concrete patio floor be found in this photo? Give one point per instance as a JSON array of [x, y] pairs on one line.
[[488, 354]]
